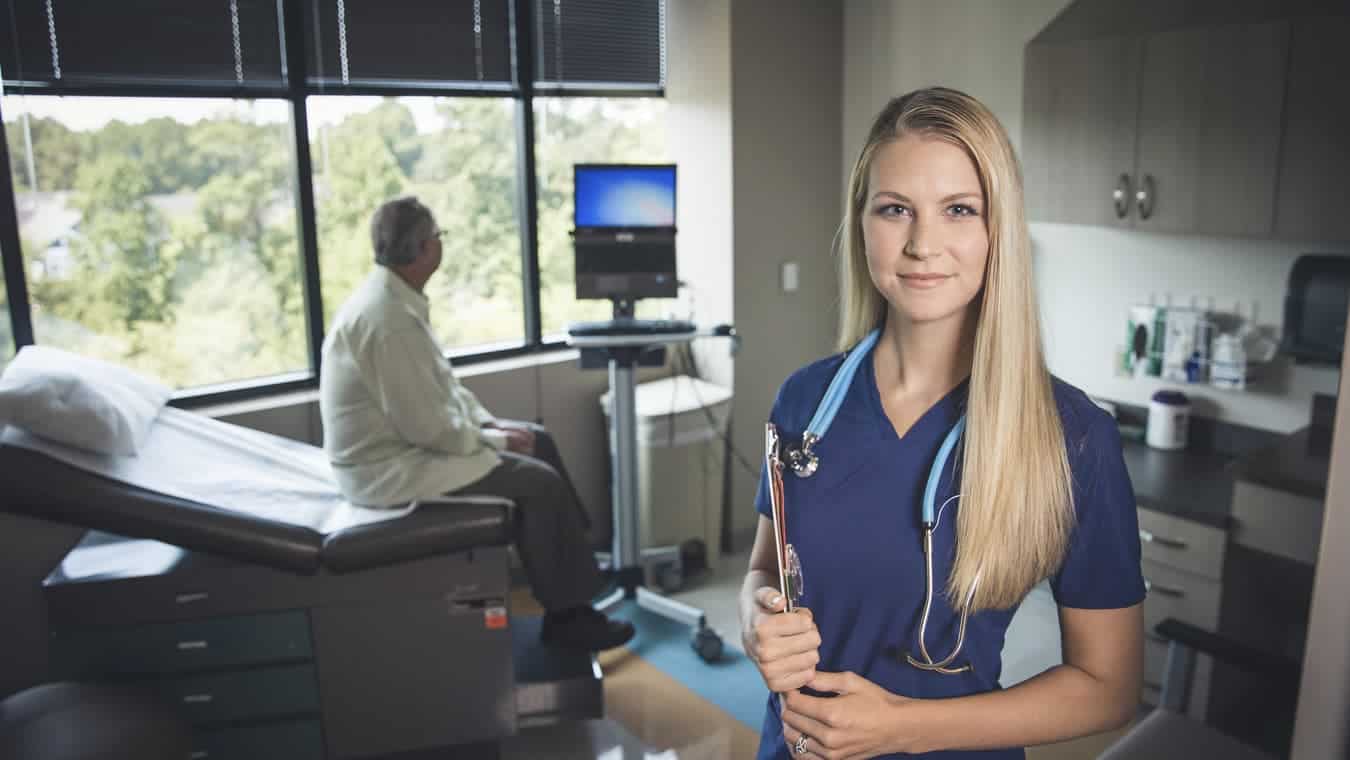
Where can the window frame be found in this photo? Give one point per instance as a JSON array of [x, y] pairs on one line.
[[295, 91]]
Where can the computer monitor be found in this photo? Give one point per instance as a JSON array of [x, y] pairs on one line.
[[625, 231]]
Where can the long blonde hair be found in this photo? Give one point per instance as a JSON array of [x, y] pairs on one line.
[[1016, 509]]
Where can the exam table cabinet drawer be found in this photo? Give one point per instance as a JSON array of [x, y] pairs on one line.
[[182, 647], [1184, 544], [294, 740], [242, 695]]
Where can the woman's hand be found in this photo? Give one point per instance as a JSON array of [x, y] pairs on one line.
[[864, 721], [785, 647]]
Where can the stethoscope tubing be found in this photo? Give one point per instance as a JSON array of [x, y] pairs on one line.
[[805, 462]]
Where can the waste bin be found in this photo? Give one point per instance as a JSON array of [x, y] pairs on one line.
[[681, 428]]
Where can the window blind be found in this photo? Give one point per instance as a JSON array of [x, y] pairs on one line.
[[410, 42], [56, 42], [600, 44]]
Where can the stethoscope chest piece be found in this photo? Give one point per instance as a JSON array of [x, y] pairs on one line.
[[804, 463]]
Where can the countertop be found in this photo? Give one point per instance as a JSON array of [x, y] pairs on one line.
[[1295, 464], [1190, 484]]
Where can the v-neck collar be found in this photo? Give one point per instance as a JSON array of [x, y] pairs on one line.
[[947, 409]]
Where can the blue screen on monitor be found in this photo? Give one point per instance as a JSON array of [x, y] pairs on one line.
[[624, 196]]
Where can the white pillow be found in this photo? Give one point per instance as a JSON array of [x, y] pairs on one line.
[[78, 401]]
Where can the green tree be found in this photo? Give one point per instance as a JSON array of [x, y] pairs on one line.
[[58, 152], [124, 279]]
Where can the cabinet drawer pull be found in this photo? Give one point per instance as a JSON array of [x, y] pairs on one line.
[[1121, 196], [197, 699], [1149, 537], [188, 598], [1151, 587], [184, 646], [199, 754], [1144, 197]]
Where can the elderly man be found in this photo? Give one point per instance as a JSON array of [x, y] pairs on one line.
[[398, 426]]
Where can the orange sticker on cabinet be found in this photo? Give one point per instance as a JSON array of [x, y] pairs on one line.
[[494, 618]]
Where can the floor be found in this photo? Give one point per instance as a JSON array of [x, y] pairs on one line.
[[650, 716]]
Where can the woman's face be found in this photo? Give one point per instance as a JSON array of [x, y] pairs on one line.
[[923, 224]]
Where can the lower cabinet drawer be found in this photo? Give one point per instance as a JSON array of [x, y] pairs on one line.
[[243, 695], [293, 740], [1175, 541], [181, 647], [1174, 593]]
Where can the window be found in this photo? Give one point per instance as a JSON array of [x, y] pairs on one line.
[[161, 233], [585, 130], [458, 155], [164, 220]]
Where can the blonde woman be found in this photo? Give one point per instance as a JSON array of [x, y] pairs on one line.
[[895, 650]]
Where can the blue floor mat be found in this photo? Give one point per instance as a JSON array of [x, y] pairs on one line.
[[732, 683]]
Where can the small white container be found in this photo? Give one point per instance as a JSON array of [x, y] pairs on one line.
[[1169, 420], [1229, 368]]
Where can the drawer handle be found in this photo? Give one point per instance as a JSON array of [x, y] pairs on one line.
[[1148, 537], [1151, 587], [198, 596], [199, 754], [184, 646], [197, 699]]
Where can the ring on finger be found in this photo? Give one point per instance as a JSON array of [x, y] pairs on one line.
[[799, 747]]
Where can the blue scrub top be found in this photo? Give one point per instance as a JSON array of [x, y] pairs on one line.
[[855, 526]]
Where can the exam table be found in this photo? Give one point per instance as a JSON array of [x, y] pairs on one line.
[[224, 574]]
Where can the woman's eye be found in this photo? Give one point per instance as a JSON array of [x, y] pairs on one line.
[[961, 209], [892, 209]]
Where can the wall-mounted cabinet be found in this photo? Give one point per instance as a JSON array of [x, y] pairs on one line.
[[1227, 129], [1315, 152]]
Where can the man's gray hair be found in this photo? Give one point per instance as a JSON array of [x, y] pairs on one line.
[[398, 229]]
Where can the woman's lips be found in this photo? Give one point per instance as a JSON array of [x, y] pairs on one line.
[[924, 280]]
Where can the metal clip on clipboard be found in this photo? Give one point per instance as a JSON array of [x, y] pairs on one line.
[[789, 566]]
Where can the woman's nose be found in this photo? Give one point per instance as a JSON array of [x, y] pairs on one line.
[[921, 243]]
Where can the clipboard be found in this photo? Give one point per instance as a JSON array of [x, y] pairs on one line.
[[789, 584]]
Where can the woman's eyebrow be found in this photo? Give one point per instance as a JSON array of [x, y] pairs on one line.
[[947, 199]]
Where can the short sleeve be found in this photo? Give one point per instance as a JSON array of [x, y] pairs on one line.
[[1101, 569]]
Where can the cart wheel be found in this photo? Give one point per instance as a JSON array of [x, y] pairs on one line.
[[670, 577], [707, 644]]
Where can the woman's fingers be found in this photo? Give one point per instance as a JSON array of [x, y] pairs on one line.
[[790, 673]]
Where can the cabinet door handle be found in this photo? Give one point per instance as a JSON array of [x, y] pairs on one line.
[[1121, 196], [1152, 587], [1144, 197], [197, 699], [1149, 537], [184, 646]]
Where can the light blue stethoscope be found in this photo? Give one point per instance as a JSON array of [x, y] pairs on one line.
[[805, 463]]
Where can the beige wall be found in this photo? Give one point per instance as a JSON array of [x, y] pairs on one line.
[[894, 46], [786, 69]]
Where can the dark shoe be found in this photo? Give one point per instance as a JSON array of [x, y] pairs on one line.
[[586, 629]]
